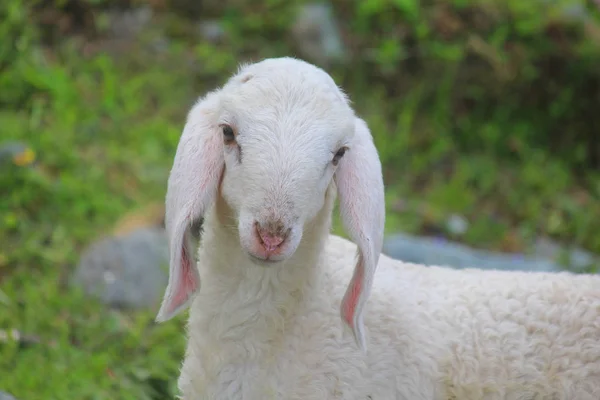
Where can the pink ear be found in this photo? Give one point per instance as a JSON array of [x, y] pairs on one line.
[[359, 183], [192, 187]]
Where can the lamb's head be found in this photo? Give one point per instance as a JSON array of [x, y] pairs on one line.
[[271, 142], [284, 132]]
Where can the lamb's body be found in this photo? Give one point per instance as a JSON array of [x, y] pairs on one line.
[[282, 309], [433, 333]]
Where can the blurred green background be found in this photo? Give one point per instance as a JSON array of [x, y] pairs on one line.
[[486, 109]]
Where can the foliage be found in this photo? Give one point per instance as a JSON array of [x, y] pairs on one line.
[[506, 75]]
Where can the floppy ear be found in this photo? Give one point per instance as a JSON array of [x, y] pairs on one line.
[[359, 183], [192, 187]]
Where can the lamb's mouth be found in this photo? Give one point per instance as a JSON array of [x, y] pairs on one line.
[[262, 261]]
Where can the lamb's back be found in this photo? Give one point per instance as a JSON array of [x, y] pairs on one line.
[[480, 332]]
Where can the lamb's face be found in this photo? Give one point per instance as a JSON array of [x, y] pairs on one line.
[[270, 142], [283, 136]]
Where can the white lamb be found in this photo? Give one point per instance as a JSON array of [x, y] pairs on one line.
[[261, 161]]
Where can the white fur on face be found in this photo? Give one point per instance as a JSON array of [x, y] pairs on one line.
[[266, 144], [289, 124]]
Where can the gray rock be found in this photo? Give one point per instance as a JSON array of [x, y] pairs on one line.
[[457, 224], [128, 272], [211, 30], [576, 258], [126, 24], [6, 396], [434, 251], [316, 34], [160, 44], [16, 153]]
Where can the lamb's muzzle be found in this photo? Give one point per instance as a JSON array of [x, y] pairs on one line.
[[271, 236]]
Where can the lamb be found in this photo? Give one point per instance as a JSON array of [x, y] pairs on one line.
[[283, 311]]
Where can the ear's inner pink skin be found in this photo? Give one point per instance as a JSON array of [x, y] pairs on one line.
[[349, 304], [188, 283]]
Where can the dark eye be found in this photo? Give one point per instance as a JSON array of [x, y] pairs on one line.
[[228, 134], [338, 156]]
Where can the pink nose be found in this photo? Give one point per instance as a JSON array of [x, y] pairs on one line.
[[271, 237]]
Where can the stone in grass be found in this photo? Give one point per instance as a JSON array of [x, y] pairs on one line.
[[433, 251], [6, 396], [127, 271], [16, 153], [317, 35]]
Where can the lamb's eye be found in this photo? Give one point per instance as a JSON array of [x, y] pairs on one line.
[[228, 134], [338, 156]]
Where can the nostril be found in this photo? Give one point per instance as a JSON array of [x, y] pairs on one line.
[[271, 242], [269, 239]]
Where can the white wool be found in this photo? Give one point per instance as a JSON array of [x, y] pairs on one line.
[[260, 330]]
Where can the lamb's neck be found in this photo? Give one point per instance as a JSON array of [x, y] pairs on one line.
[[237, 296]]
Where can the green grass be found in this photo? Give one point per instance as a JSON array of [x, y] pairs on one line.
[[104, 137], [104, 129]]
